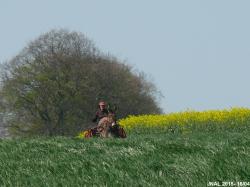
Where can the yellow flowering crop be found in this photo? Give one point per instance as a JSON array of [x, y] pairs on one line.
[[82, 134], [184, 120]]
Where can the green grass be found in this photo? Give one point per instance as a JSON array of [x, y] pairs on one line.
[[146, 159]]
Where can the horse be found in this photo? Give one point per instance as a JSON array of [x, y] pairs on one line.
[[107, 128]]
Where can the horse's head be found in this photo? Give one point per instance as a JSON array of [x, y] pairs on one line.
[[105, 125], [111, 118]]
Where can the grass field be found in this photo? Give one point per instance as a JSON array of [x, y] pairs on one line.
[[145, 158], [140, 160]]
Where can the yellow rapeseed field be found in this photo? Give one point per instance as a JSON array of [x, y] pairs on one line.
[[190, 119]]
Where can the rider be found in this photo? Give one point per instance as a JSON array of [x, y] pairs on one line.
[[101, 112]]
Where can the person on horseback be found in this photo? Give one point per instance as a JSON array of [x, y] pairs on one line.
[[106, 123]]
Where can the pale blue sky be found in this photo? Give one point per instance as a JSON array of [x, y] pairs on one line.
[[196, 52]]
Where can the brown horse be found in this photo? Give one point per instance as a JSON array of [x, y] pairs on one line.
[[105, 124], [106, 128]]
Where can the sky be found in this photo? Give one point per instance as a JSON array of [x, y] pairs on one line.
[[196, 52]]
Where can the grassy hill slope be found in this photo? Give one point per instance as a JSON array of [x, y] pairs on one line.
[[146, 159]]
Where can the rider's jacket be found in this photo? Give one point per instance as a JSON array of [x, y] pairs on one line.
[[100, 114]]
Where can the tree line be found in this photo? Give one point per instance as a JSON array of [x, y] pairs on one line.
[[53, 85]]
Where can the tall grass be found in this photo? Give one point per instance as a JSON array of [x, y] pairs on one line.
[[161, 157]]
